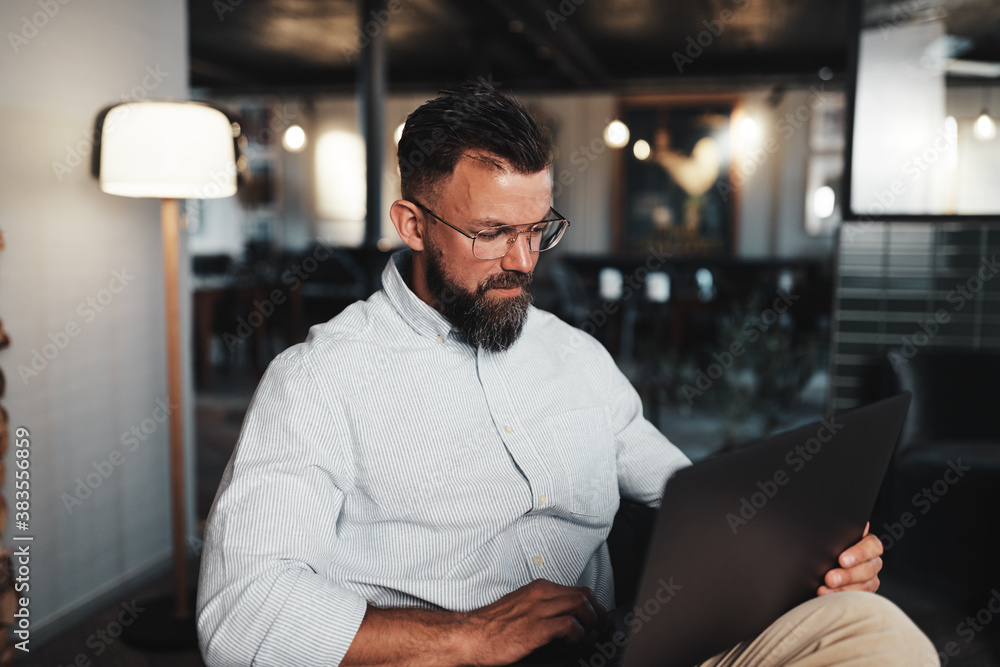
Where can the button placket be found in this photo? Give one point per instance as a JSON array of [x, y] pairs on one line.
[[517, 437]]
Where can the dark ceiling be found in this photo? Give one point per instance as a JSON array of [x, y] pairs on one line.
[[247, 45], [530, 44]]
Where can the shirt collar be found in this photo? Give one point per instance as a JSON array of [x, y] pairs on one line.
[[425, 320]]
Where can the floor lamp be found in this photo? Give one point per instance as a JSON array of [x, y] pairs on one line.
[[171, 151]]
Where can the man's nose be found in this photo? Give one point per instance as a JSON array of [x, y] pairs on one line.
[[519, 257]]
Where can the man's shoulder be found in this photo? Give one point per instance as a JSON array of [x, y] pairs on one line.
[[360, 325]]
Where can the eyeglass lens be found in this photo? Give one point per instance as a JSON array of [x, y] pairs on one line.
[[493, 244]]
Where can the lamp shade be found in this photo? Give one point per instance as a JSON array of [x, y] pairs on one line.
[[175, 150]]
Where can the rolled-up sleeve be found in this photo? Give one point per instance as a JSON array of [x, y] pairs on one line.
[[264, 595]]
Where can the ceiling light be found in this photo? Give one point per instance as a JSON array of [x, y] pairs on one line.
[[641, 149], [294, 140], [616, 134], [984, 128]]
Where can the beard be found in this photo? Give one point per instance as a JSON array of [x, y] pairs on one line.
[[493, 322]]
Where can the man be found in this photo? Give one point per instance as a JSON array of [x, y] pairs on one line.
[[431, 477]]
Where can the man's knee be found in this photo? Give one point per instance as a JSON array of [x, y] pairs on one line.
[[868, 608], [871, 614]]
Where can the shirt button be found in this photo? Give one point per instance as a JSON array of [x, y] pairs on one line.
[[440, 339], [508, 429], [539, 560], [541, 500]]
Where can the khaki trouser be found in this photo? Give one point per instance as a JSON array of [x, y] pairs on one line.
[[849, 628]]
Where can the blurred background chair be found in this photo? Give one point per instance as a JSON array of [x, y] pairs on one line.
[[943, 486]]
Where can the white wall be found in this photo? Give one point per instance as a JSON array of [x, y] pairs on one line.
[[64, 242], [773, 197]]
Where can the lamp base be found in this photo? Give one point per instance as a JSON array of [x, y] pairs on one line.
[[156, 628]]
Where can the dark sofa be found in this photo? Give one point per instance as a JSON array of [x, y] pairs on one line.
[[938, 510]]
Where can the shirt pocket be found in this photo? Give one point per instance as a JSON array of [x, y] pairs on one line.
[[585, 460]]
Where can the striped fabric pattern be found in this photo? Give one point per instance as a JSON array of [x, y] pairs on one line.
[[387, 462]]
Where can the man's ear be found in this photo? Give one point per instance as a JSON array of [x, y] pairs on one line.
[[409, 224]]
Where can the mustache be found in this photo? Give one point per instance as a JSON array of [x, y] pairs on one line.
[[505, 280]]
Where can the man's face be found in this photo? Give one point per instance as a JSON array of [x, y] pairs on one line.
[[486, 299]]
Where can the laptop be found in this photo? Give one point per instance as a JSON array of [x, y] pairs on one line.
[[744, 537]]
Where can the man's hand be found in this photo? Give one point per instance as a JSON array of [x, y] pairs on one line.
[[859, 567], [530, 617]]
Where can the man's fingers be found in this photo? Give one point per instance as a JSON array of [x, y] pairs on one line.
[[868, 548], [840, 578], [603, 620], [568, 628], [571, 605], [869, 587]]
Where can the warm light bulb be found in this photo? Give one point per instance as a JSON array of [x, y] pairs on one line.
[[984, 128], [749, 129], [398, 134], [641, 149], [294, 140], [616, 134]]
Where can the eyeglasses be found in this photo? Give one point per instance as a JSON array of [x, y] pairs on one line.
[[495, 242]]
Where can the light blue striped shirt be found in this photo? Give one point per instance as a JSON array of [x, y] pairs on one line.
[[387, 462]]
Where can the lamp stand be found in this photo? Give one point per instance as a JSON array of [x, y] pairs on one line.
[[168, 624]]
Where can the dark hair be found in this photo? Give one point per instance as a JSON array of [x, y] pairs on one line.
[[472, 117]]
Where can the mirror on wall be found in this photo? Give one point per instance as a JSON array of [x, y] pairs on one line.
[[926, 107]]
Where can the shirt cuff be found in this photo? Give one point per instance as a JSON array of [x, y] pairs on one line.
[[316, 625]]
